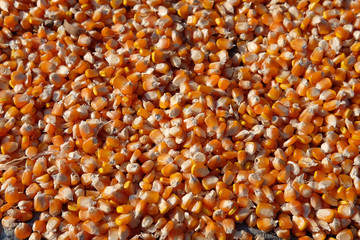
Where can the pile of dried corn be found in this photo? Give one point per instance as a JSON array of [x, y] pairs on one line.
[[150, 119]]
